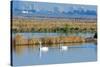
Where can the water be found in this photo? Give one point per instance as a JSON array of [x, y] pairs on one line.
[[32, 55], [38, 35]]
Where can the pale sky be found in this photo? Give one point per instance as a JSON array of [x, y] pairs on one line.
[[50, 6]]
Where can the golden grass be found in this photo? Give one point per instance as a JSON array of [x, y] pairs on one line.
[[29, 24]]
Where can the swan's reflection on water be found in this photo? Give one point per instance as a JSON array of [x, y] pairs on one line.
[[46, 49], [43, 48], [55, 53]]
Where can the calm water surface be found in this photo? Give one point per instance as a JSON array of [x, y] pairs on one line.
[[31, 55]]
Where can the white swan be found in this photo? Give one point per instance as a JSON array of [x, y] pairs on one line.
[[63, 48], [44, 49]]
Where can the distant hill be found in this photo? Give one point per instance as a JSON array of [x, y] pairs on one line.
[[29, 9]]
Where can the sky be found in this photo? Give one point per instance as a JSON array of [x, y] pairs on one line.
[[50, 6]]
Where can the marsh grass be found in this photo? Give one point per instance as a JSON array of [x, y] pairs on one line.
[[55, 25]]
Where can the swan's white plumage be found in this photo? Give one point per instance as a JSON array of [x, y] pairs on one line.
[[64, 48]]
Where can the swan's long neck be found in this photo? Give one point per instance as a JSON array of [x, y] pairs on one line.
[[40, 44]]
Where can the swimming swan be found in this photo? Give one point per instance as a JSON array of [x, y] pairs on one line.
[[44, 49], [64, 48]]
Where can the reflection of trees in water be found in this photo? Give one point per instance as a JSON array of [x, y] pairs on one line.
[[19, 49]]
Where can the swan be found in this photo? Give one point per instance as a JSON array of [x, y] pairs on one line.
[[44, 49], [63, 48]]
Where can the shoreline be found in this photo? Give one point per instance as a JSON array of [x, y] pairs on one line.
[[21, 40]]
